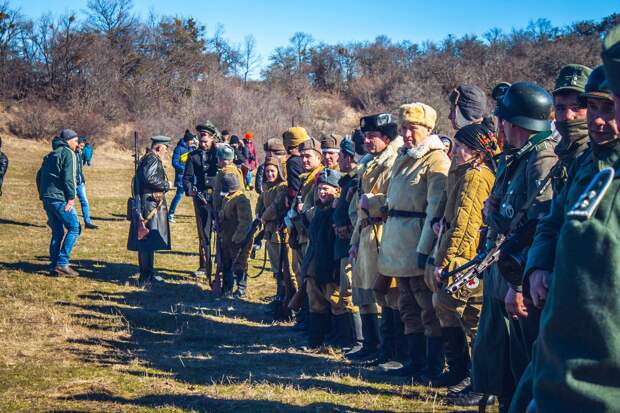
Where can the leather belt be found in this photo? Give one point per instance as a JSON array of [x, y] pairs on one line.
[[397, 213], [370, 221]]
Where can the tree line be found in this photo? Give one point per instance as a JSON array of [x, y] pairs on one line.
[[105, 67]]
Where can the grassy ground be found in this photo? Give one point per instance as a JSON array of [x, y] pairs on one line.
[[97, 344]]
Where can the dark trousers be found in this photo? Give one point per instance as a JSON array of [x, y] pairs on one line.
[[146, 262]]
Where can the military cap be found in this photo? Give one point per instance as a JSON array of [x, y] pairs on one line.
[[294, 136], [67, 134], [329, 143], [329, 177], [418, 113], [225, 152], [381, 122], [230, 183], [274, 145], [347, 146], [470, 103], [611, 59], [572, 78], [208, 127], [311, 144], [597, 86], [160, 140]]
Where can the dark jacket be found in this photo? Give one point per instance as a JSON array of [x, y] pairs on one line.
[[4, 165], [56, 179], [79, 176], [341, 214], [150, 178], [199, 165], [319, 261], [294, 170], [260, 178], [241, 155], [179, 165]]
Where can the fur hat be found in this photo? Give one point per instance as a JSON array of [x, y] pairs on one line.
[[294, 136], [312, 144], [417, 113], [347, 146], [274, 145]]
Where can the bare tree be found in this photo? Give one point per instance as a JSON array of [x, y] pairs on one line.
[[249, 59], [111, 17]]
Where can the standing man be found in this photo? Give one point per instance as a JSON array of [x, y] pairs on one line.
[[503, 344], [413, 199], [382, 142], [292, 138], [4, 165], [571, 123], [179, 158], [81, 184], [56, 183], [573, 371], [149, 230], [199, 177]]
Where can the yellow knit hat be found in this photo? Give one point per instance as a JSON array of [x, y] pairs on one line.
[[418, 113], [295, 136]]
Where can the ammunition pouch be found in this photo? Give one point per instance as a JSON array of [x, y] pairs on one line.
[[511, 267]]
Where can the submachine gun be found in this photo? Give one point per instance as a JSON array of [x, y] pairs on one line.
[[469, 274]]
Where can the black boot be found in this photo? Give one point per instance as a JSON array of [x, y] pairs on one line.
[[416, 344], [370, 331], [302, 316], [318, 326], [358, 337], [457, 358], [401, 352], [434, 359], [386, 350], [242, 284], [342, 334]]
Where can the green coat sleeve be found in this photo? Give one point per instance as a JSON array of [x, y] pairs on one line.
[[537, 169], [69, 171]]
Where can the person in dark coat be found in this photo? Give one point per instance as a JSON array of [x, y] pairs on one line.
[[56, 184], [4, 165], [199, 177], [150, 230], [179, 157]]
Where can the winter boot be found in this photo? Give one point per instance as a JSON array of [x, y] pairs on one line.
[[457, 358], [318, 325], [434, 359], [386, 351], [342, 334], [416, 344], [370, 332]]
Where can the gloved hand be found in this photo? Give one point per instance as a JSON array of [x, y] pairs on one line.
[[422, 260]]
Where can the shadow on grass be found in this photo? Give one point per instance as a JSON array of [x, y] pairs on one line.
[[113, 217], [21, 224], [181, 329], [203, 403], [27, 267]]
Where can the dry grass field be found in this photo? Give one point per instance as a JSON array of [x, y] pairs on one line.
[[96, 343]]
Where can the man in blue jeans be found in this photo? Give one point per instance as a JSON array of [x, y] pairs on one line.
[[56, 183], [179, 157], [81, 184]]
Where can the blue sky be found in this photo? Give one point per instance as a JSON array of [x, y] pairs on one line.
[[273, 22]]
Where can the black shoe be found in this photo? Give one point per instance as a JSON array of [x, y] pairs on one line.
[[318, 326], [91, 226], [239, 294], [469, 398], [434, 361]]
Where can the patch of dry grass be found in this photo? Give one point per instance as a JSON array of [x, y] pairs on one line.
[[95, 343]]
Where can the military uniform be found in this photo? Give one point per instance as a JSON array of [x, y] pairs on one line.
[[502, 346], [150, 184], [235, 219]]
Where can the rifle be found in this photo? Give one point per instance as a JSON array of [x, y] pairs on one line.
[[216, 286], [205, 231], [469, 274], [249, 238], [283, 311]]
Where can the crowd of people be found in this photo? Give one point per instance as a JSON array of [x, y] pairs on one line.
[[484, 263]]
